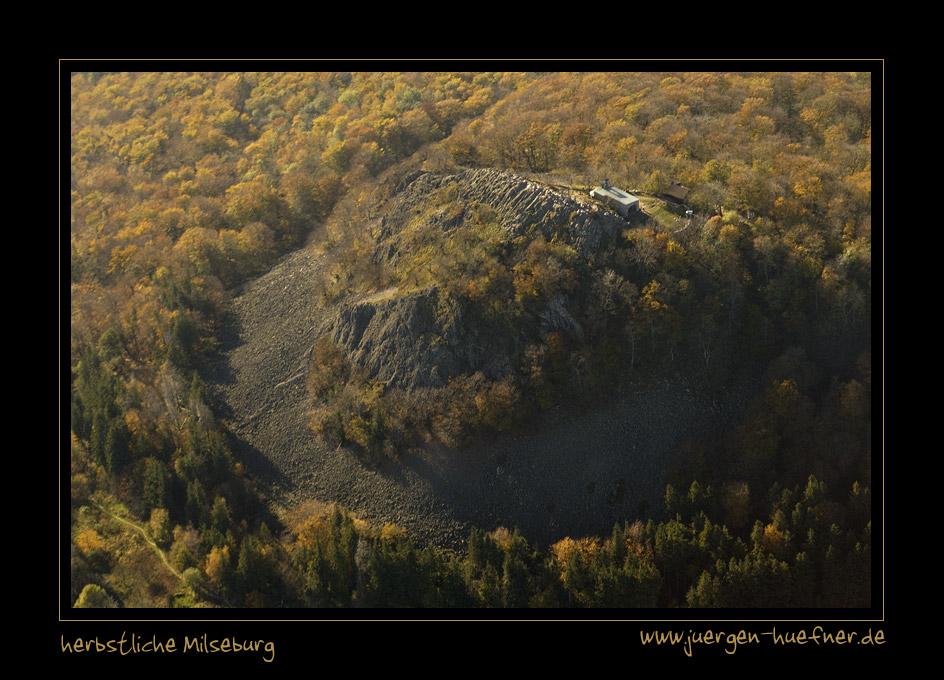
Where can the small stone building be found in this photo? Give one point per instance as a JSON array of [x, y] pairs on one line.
[[622, 202]]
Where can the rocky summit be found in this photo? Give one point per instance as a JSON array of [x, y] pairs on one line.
[[422, 338], [520, 205]]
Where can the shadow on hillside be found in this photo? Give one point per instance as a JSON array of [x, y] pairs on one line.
[[263, 468]]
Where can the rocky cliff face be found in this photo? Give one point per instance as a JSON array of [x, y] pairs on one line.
[[416, 340], [422, 339]]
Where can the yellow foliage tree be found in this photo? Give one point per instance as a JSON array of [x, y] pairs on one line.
[[89, 540]]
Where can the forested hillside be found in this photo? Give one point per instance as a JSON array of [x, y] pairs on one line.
[[185, 185]]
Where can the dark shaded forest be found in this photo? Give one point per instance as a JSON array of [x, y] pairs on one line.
[[184, 185]]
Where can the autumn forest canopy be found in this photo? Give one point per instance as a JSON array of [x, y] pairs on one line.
[[185, 185]]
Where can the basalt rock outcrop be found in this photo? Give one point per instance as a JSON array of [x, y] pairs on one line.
[[420, 339], [520, 205]]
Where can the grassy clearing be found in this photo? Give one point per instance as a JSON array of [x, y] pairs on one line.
[[658, 210]]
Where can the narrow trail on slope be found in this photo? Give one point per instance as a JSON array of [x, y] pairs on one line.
[[576, 475], [138, 529]]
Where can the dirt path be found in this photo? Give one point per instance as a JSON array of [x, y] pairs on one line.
[[140, 530], [575, 476]]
